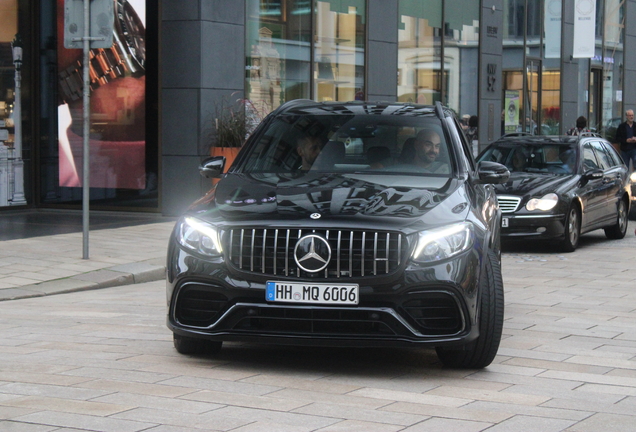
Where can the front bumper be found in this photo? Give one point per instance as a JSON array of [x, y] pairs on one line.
[[417, 305], [540, 227]]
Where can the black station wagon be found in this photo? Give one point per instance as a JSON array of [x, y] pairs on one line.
[[561, 187], [344, 224]]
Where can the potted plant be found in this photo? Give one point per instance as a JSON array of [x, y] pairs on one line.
[[233, 122]]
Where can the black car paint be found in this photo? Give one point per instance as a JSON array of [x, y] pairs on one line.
[[595, 192], [405, 204]]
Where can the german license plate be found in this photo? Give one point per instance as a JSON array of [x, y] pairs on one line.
[[504, 222], [312, 293]]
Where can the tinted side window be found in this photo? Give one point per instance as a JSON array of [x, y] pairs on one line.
[[618, 160], [466, 146], [589, 158], [602, 156]]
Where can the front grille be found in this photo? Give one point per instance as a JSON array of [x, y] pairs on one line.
[[508, 204], [435, 314], [353, 253], [198, 306]]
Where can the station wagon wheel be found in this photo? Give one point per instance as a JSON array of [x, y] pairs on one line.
[[188, 345], [619, 230], [481, 352], [572, 230]]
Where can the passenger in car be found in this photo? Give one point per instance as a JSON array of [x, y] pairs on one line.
[[519, 161], [427, 149]]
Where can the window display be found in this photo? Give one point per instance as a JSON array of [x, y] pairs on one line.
[[304, 50], [118, 106], [11, 164]]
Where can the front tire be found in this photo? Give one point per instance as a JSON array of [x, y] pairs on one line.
[[618, 231], [572, 230], [481, 352], [188, 345]]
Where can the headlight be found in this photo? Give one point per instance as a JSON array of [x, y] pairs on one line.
[[544, 203], [199, 236], [633, 177], [442, 243]]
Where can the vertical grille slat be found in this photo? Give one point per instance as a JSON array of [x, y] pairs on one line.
[[354, 253]]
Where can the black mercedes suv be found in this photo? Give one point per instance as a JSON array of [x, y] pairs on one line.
[[344, 224]]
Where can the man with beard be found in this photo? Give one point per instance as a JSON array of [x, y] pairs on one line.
[[309, 147], [427, 148]]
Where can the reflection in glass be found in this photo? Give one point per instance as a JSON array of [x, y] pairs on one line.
[[611, 60], [294, 43], [419, 51], [339, 51], [278, 52], [461, 55]]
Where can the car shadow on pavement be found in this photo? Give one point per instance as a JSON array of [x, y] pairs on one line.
[[586, 241], [324, 361]]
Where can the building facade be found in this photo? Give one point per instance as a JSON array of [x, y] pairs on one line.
[[161, 94]]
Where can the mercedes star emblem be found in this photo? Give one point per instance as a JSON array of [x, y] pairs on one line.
[[312, 253], [315, 216]]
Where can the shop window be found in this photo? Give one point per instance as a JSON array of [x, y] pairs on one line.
[[304, 49], [123, 151], [419, 51]]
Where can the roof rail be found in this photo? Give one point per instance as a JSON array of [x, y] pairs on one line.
[[294, 102], [513, 134], [589, 134], [439, 110]]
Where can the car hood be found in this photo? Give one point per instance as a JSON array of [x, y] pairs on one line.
[[522, 184], [242, 197]]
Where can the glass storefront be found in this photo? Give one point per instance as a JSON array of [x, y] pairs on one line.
[[293, 49], [420, 69], [123, 142], [15, 107], [532, 51], [422, 44], [609, 61], [304, 49]]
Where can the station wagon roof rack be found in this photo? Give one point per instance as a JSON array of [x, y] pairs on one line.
[[589, 134]]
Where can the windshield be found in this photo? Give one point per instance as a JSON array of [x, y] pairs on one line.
[[535, 158], [381, 144]]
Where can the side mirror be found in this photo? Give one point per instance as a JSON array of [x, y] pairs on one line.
[[594, 174], [492, 173], [212, 167]]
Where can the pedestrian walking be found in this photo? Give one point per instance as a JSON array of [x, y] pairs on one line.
[[580, 127], [626, 137]]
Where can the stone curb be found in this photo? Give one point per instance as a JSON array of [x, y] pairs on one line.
[[124, 274]]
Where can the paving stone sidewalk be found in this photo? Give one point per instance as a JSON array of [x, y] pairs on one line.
[[53, 264]]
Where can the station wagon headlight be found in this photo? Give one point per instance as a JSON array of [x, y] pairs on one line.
[[442, 243], [199, 236], [545, 203]]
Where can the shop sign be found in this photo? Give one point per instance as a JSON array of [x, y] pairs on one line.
[[584, 28]]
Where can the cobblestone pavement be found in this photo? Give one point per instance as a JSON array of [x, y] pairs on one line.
[[102, 360]]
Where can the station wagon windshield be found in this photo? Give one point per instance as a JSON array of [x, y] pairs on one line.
[[534, 158]]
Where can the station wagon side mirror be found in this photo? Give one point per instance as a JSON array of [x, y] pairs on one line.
[[492, 173], [593, 174], [212, 167]]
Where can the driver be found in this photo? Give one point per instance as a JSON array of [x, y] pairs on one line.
[[309, 147]]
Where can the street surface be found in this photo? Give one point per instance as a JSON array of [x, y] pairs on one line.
[[103, 360]]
